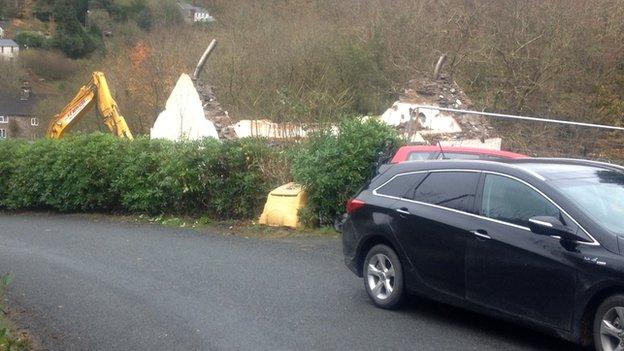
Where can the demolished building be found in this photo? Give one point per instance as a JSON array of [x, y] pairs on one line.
[[428, 125]]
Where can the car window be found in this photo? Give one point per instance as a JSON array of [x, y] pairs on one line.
[[419, 156], [401, 185], [454, 190], [511, 201], [600, 196], [458, 156]]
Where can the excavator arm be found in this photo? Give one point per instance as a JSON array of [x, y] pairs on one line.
[[94, 93]]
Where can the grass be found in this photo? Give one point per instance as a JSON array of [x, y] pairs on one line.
[[245, 228], [8, 341]]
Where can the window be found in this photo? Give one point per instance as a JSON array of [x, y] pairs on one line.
[[4, 119], [599, 195], [401, 185], [454, 190], [34, 121], [511, 201], [418, 156], [2, 133], [457, 156]]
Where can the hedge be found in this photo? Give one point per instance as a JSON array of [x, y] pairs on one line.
[[230, 179], [334, 164], [99, 172]]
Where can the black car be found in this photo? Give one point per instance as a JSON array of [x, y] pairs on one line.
[[538, 241]]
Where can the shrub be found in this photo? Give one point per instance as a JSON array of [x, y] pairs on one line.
[[100, 172], [229, 179], [159, 176], [49, 65], [83, 172], [30, 39], [31, 183], [8, 149], [238, 173], [332, 167]]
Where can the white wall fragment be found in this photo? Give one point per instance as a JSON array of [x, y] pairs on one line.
[[265, 128], [183, 117]]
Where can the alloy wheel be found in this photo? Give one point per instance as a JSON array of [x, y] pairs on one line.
[[612, 330], [380, 275]]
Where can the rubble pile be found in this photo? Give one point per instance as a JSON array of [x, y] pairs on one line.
[[446, 93], [429, 126], [213, 111]]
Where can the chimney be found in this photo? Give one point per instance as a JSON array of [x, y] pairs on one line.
[[25, 92]]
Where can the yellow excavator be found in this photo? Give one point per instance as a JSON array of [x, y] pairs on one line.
[[96, 92]]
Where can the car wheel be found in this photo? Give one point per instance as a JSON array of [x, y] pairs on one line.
[[383, 277], [609, 325]]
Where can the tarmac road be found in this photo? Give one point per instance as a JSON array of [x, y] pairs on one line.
[[99, 284]]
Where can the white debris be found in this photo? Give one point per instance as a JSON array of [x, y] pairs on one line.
[[265, 128], [436, 122], [399, 113], [429, 121], [416, 138], [183, 117]]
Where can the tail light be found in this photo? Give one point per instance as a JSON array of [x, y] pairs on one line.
[[354, 205]]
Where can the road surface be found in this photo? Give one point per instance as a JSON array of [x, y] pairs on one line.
[[99, 284]]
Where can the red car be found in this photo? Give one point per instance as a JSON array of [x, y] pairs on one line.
[[433, 152]]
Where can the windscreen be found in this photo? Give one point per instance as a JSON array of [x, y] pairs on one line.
[[600, 196]]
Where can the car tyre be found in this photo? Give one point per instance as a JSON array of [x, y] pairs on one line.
[[383, 277], [608, 328]]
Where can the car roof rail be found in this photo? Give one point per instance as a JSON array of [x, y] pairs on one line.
[[562, 160]]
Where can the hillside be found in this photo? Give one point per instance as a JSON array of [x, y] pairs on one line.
[[314, 61]]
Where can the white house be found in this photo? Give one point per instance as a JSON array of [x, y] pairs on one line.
[[1, 33], [195, 14], [8, 49]]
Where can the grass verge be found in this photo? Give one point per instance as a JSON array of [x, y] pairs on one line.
[[10, 338]]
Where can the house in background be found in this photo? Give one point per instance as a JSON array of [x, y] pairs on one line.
[[9, 49], [195, 14], [17, 115], [4, 29]]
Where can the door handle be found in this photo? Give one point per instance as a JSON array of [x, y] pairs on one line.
[[403, 211], [481, 234]]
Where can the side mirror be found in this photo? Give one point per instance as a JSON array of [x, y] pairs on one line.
[[551, 226]]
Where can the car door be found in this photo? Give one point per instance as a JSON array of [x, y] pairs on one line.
[[510, 269], [433, 226]]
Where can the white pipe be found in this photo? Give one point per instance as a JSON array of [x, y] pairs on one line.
[[202, 60], [526, 118]]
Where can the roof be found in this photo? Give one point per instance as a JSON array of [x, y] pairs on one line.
[[8, 42], [542, 169], [11, 105], [189, 7], [561, 168], [403, 152]]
